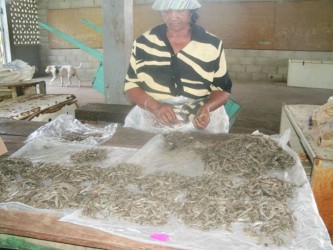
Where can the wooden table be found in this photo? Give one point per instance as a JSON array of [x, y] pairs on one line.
[[296, 117], [16, 89], [27, 100], [14, 133], [42, 229]]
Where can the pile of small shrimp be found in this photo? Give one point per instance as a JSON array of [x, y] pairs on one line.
[[236, 187]]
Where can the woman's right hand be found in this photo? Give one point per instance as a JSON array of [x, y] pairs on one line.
[[164, 114]]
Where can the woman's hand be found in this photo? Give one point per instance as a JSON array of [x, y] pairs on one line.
[[202, 118], [216, 99], [165, 114]]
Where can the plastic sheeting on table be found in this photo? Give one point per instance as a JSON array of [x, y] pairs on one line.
[[310, 231]]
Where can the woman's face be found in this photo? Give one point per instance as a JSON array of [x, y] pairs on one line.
[[177, 19]]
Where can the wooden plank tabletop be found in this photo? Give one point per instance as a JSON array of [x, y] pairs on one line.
[[24, 87], [18, 127], [15, 132], [103, 112], [32, 82], [47, 227]]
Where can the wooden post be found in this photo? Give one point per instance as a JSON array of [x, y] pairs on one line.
[[117, 45]]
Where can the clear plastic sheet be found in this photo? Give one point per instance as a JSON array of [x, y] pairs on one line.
[[310, 231], [65, 126], [25, 208], [154, 158], [45, 149]]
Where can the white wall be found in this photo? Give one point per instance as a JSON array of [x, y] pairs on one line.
[[263, 65]]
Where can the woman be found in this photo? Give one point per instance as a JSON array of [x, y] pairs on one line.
[[177, 75]]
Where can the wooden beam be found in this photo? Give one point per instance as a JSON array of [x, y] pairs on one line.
[[117, 44]]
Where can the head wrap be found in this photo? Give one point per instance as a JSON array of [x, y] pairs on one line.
[[163, 5]]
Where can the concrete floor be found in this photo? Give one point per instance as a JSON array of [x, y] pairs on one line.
[[261, 103]]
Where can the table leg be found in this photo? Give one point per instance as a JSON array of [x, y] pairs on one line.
[[322, 186], [42, 87]]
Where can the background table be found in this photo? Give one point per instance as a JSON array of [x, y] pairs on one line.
[[43, 229], [296, 117], [15, 89]]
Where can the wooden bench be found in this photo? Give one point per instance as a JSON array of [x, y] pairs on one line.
[[114, 113]]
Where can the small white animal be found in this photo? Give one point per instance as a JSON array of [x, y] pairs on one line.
[[61, 71]]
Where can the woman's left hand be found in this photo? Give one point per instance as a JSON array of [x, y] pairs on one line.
[[202, 118], [216, 99]]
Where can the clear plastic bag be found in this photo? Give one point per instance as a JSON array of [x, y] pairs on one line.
[[66, 128], [184, 108], [56, 152], [16, 71], [174, 161]]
